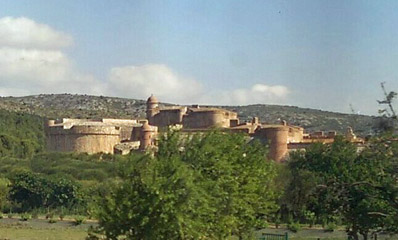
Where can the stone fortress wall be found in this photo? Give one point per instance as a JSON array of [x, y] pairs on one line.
[[125, 135], [193, 117], [87, 135], [208, 117], [169, 116]]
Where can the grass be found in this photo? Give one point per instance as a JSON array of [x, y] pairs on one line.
[[41, 234], [40, 229], [317, 233]]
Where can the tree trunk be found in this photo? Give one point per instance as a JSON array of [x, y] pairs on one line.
[[353, 235], [365, 236]]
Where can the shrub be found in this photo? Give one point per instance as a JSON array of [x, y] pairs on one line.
[[330, 227], [49, 215], [52, 220], [9, 215], [79, 220], [33, 190], [4, 191], [294, 227], [25, 217], [35, 215]]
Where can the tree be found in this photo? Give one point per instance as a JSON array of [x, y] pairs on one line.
[[388, 100], [389, 120], [202, 186], [33, 190], [4, 190], [359, 188], [238, 178], [156, 200]]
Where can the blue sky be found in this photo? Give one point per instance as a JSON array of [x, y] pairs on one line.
[[318, 54]]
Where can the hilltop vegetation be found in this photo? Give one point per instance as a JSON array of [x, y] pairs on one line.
[[21, 134], [84, 106]]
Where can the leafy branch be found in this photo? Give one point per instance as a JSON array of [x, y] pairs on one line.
[[388, 100]]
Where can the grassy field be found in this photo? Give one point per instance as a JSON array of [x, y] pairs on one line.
[[318, 233], [41, 229]]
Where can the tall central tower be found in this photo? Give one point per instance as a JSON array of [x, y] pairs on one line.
[[152, 108]]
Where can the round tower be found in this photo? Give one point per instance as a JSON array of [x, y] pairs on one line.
[[278, 142], [146, 136], [152, 108], [277, 138]]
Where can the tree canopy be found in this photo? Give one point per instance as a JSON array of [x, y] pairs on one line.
[[360, 189], [211, 185]]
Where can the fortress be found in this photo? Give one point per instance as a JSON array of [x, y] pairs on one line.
[[121, 136]]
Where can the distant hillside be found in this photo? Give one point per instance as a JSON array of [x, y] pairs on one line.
[[21, 134], [84, 106]]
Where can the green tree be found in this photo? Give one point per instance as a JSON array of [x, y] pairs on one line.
[[238, 178], [157, 200], [31, 190], [4, 191], [210, 185], [359, 188], [388, 121], [21, 134]]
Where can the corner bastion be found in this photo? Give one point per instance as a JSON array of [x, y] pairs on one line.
[[86, 135]]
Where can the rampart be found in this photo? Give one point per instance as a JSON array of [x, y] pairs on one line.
[[89, 136], [169, 116], [207, 118]]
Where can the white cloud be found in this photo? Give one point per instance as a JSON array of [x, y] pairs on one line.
[[25, 33], [157, 79], [32, 71], [40, 66], [32, 61], [258, 93], [142, 81]]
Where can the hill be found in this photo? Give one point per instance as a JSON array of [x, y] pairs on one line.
[[85, 106], [21, 134]]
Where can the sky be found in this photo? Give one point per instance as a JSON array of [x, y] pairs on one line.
[[329, 55]]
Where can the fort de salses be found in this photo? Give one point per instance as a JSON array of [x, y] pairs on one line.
[[121, 136]]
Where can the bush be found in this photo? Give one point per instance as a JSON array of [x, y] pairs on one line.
[[79, 220], [32, 190], [52, 220], [294, 227], [4, 191], [9, 215], [330, 227], [25, 217], [35, 213], [49, 215]]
